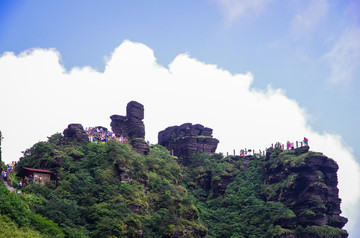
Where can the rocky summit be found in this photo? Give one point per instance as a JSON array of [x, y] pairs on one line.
[[187, 140], [75, 132]]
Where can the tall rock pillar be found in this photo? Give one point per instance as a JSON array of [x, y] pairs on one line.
[[131, 126]]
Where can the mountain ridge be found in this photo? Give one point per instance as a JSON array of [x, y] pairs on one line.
[[113, 189]]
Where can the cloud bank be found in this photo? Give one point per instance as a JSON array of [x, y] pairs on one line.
[[39, 98]]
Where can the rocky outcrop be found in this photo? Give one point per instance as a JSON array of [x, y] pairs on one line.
[[122, 171], [187, 140], [131, 126], [306, 182], [75, 132], [140, 146]]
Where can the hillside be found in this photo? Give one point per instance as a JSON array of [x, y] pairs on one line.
[[17, 220], [99, 183], [110, 190]]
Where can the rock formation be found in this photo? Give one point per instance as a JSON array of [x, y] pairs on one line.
[[187, 140], [308, 186], [122, 171], [131, 126], [75, 132]]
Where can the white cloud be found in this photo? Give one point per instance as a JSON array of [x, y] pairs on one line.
[[344, 57], [234, 9], [306, 21], [38, 98]]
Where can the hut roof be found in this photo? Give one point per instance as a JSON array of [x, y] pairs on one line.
[[24, 171]]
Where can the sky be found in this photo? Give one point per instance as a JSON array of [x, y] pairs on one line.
[[256, 72]]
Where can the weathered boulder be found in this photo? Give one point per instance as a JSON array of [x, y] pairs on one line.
[[131, 126], [75, 132], [187, 140]]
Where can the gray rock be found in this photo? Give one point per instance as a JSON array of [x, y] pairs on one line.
[[131, 126], [186, 140], [75, 132]]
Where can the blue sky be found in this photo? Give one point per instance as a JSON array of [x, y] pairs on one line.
[[309, 49], [265, 40]]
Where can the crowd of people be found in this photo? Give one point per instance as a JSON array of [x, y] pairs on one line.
[[245, 152], [5, 174], [100, 134], [31, 179], [289, 146], [8, 170]]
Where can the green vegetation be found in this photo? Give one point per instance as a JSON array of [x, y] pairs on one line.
[[290, 158], [108, 190], [18, 220], [186, 137], [286, 160], [239, 210], [324, 231]]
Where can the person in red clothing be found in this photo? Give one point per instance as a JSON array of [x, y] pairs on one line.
[[305, 141]]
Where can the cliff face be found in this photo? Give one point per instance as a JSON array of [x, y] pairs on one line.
[[306, 182], [187, 140], [287, 194]]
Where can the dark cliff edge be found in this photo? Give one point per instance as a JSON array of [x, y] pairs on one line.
[[306, 182], [291, 193]]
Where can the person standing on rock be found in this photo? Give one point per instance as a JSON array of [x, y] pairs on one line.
[[305, 141]]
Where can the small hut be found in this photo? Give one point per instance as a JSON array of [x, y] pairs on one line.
[[31, 175]]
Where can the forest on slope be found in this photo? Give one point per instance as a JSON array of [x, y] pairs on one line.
[[109, 190], [17, 220]]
